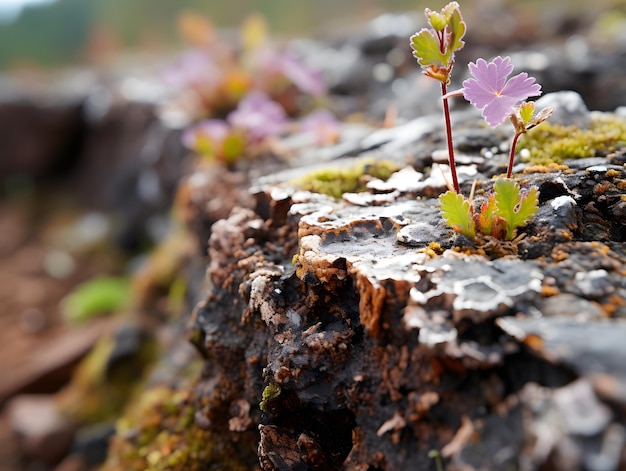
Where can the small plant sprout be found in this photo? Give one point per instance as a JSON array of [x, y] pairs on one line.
[[499, 217], [499, 97], [434, 50]]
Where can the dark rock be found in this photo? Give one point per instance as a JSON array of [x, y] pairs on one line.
[[588, 347], [569, 108], [559, 217], [40, 138]]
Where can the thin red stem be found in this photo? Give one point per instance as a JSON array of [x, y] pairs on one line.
[[512, 154], [446, 114]]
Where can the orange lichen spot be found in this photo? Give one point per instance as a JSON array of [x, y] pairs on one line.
[[436, 248], [602, 187], [558, 255], [550, 168], [549, 290], [612, 173], [534, 341], [614, 302]]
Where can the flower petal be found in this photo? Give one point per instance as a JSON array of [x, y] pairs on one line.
[[521, 87], [498, 110], [503, 69], [489, 90], [476, 93]]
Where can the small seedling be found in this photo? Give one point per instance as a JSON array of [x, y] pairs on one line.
[[434, 50], [497, 97], [499, 217]]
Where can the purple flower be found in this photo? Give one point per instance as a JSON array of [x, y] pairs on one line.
[[491, 92], [305, 78], [212, 131], [258, 116], [193, 68], [323, 125]]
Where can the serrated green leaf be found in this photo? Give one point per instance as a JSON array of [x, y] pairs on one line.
[[514, 208], [426, 49], [437, 20], [458, 213], [457, 29]]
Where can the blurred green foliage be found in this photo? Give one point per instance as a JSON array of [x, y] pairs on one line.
[[71, 31], [67, 31]]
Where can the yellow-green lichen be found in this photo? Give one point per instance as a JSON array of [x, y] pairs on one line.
[[335, 181], [550, 143], [270, 393]]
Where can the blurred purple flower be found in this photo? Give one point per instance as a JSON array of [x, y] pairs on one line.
[[209, 131], [258, 116], [193, 68], [305, 78], [322, 125], [308, 80], [489, 91]]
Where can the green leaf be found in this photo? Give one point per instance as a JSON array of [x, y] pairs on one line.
[[526, 111], [457, 28], [96, 297], [426, 49], [233, 147], [458, 213], [514, 208], [437, 20]]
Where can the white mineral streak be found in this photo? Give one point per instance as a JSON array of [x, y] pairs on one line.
[[561, 201]]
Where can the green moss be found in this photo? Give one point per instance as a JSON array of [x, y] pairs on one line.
[[550, 143], [159, 433], [337, 181]]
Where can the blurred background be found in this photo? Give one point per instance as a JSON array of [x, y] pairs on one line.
[[60, 32], [53, 33]]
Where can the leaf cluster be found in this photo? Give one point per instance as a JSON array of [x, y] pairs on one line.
[[434, 47], [500, 216]]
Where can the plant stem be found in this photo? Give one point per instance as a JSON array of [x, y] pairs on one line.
[[446, 114], [512, 154]]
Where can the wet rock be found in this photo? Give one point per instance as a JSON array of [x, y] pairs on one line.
[[419, 234], [570, 305], [572, 426], [586, 347], [569, 108], [559, 217]]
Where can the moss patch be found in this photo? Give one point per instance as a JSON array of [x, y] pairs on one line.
[[159, 433], [337, 181], [550, 143]]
